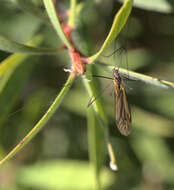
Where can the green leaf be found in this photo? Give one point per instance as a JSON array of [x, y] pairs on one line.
[[9, 65], [71, 20], [118, 23], [31, 8], [11, 89], [15, 47], [91, 87], [145, 78], [155, 155], [29, 114], [96, 146], [162, 6], [61, 174], [154, 124], [19, 26], [54, 106], [53, 15]]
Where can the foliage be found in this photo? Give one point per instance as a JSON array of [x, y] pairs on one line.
[[33, 87]]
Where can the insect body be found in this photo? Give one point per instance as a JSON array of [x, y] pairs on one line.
[[122, 109]]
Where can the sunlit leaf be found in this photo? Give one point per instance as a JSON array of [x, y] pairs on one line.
[[56, 173], [118, 23]]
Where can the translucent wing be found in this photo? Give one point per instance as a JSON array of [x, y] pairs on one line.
[[122, 109]]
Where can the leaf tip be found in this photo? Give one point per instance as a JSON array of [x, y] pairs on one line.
[[113, 166]]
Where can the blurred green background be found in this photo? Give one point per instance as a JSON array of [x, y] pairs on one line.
[[57, 158]]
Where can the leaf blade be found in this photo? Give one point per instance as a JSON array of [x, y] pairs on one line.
[[54, 106], [53, 15], [15, 47], [118, 23]]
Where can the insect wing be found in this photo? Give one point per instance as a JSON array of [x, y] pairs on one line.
[[122, 110]]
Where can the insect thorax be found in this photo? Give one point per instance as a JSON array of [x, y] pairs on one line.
[[117, 77]]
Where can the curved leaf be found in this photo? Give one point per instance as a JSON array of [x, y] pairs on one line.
[[119, 21], [42, 121], [29, 6], [12, 84], [162, 6], [53, 15], [8, 66], [15, 47]]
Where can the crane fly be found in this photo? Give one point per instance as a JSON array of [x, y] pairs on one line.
[[122, 109]]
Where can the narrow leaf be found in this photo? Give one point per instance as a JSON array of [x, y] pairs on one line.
[[53, 15], [118, 23], [9, 65], [10, 90], [15, 47], [71, 20], [31, 8], [161, 6], [42, 121], [96, 146], [141, 77], [147, 79], [99, 112]]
